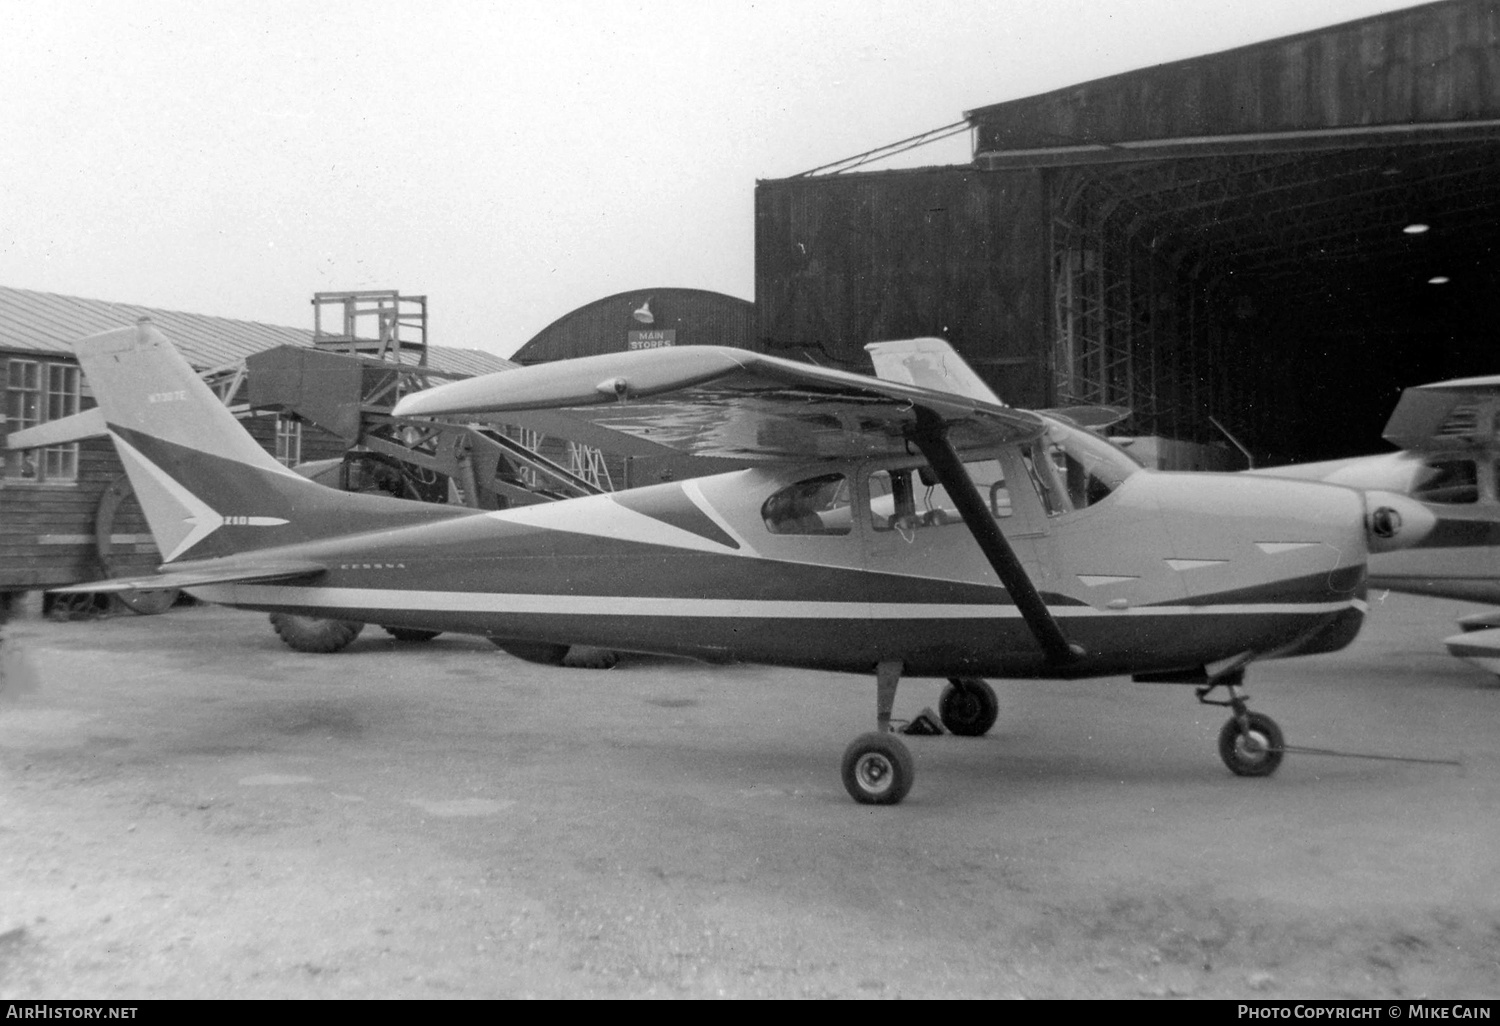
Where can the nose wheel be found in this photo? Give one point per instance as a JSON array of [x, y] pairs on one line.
[[1252, 748], [1250, 743]]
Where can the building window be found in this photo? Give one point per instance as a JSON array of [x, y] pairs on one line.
[[35, 392], [289, 441]]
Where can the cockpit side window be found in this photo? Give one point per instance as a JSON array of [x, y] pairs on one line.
[[911, 498], [1448, 482], [817, 505]]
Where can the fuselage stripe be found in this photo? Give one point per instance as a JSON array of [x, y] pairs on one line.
[[646, 606]]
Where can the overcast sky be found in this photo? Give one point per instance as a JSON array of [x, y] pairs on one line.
[[510, 160]]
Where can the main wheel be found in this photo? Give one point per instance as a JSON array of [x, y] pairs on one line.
[[1255, 753], [314, 633], [410, 633], [968, 706], [878, 769]]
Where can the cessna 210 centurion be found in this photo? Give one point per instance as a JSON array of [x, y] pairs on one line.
[[1448, 458], [887, 529]]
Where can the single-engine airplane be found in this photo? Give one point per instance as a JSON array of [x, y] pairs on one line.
[[888, 529], [1447, 436]]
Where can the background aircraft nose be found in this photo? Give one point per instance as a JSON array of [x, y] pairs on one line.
[[1395, 521]]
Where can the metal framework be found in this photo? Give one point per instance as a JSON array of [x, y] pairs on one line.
[[859, 160], [587, 462], [1131, 325], [400, 324]]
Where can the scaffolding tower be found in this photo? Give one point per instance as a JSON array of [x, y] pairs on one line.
[[398, 332]]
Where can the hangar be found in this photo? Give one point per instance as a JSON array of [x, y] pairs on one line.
[[644, 319], [1270, 241], [66, 514]]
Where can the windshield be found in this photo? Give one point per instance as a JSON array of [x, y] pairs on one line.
[[1084, 467]]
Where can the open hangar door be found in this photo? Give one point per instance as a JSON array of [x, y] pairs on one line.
[[1238, 236], [1285, 293]]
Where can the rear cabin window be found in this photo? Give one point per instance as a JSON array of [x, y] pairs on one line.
[[1447, 482], [817, 505]]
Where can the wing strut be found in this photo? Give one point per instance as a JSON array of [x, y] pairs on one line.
[[931, 436]]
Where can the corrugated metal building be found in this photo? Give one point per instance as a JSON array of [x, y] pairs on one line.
[[51, 501], [644, 318], [1278, 237]]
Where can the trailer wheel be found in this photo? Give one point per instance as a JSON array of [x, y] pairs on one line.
[[313, 633], [533, 651], [587, 657], [410, 633]]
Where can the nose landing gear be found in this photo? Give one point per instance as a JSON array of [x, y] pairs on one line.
[[1251, 744]]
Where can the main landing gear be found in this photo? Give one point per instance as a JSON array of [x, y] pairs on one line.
[[968, 707], [1251, 744], [878, 767]]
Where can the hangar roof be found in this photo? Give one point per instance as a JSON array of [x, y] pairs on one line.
[[1292, 166], [672, 315], [1431, 66], [44, 322]]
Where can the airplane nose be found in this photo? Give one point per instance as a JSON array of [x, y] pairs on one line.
[[1395, 521]]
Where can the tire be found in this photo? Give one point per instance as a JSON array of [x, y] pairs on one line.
[[314, 633], [1255, 755], [410, 633], [587, 657], [878, 769], [533, 651], [149, 601], [968, 707]]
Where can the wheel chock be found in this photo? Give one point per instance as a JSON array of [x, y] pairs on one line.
[[924, 724]]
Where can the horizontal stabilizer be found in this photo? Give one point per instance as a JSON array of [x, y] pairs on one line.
[[1094, 418], [200, 574], [88, 424], [929, 363], [1481, 648], [1461, 410]]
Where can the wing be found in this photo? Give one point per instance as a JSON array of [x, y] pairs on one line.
[[192, 575], [717, 401], [1461, 410]]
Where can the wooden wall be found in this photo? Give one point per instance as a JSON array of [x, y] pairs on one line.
[[953, 252], [1433, 63]]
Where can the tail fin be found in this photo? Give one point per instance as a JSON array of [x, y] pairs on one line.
[[929, 363], [207, 488]]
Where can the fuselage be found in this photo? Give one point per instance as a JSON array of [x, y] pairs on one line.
[[841, 566], [1460, 557]]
